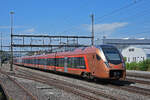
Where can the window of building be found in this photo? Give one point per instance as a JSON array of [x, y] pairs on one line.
[[134, 59], [148, 56], [131, 50]]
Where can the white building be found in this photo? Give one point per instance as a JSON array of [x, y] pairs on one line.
[[134, 54]]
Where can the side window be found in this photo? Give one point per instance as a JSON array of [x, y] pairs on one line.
[[44, 61], [98, 57], [61, 62], [51, 61], [76, 62], [68, 62], [82, 63], [79, 62], [39, 61]]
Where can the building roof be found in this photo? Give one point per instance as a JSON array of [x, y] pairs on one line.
[[127, 41], [146, 51]]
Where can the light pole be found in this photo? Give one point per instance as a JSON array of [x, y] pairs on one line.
[[92, 17], [11, 33]]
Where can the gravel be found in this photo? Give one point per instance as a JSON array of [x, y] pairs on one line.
[[96, 86], [45, 92]]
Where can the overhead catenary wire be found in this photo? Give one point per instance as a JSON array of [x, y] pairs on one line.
[[139, 22], [106, 15], [147, 11], [99, 19]]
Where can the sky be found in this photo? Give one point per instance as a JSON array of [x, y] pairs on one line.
[[112, 18]]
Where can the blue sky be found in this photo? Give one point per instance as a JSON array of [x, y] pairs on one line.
[[72, 17]]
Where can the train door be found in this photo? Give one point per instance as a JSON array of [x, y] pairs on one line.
[[65, 64], [94, 63], [55, 62], [97, 62], [45, 63]]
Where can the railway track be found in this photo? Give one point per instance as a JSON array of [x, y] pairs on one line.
[[133, 89], [77, 89], [22, 93], [66, 86], [138, 81], [145, 76]]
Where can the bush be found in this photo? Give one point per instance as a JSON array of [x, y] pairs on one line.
[[143, 65], [125, 59]]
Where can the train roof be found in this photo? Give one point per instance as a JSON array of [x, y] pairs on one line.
[[74, 51], [103, 46]]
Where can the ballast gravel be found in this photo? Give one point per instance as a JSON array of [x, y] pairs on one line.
[[46, 92], [97, 86]]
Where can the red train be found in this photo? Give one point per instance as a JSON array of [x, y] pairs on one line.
[[102, 61]]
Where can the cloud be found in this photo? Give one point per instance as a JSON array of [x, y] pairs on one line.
[[8, 27], [110, 27], [31, 30]]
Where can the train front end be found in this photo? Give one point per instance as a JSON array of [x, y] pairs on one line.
[[113, 62]]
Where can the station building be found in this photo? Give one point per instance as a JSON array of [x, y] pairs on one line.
[[135, 54], [134, 50]]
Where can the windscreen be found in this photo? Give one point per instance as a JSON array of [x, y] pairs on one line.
[[112, 55]]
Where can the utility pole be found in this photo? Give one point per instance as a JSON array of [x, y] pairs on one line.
[[92, 41], [11, 32]]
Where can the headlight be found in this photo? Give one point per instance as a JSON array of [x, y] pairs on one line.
[[107, 64]]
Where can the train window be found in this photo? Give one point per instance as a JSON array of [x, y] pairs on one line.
[[112, 55], [98, 57], [24, 61], [60, 62], [73, 62], [82, 63], [31, 61], [78, 62], [69, 61], [35, 61], [51, 61], [43, 61], [56, 61], [40, 61], [48, 61], [27, 61]]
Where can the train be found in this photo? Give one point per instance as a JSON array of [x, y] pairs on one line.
[[102, 61]]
